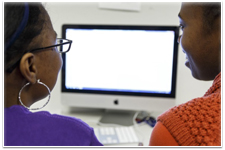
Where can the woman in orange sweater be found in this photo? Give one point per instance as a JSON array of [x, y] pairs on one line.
[[198, 121]]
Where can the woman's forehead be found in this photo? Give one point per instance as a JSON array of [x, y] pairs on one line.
[[190, 11]]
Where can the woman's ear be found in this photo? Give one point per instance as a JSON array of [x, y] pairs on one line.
[[28, 68]]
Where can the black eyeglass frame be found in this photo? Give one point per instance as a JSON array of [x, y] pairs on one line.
[[12, 67], [42, 48]]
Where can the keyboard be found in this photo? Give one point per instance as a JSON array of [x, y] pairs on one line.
[[116, 135]]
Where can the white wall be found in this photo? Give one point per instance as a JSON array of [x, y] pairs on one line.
[[150, 14]]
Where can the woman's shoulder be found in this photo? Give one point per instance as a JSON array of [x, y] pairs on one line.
[[71, 122], [195, 117], [197, 106], [45, 119], [57, 129]]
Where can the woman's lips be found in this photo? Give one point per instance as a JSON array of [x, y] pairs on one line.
[[186, 60]]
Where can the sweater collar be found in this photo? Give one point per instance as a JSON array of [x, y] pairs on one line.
[[216, 86], [17, 108]]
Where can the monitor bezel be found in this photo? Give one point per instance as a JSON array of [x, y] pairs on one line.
[[128, 27]]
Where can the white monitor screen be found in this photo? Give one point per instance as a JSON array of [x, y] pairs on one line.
[[121, 60]]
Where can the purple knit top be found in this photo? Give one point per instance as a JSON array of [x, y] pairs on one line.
[[25, 128]]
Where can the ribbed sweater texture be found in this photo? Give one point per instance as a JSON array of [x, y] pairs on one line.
[[198, 121]]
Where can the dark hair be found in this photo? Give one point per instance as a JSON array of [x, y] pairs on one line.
[[13, 15], [211, 11]]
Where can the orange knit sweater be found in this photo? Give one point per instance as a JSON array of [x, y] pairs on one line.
[[194, 123]]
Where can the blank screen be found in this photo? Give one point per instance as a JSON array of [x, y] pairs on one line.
[[120, 60]]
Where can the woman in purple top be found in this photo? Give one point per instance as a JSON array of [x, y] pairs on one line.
[[32, 63]]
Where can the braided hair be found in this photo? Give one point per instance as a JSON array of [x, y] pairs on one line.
[[22, 23]]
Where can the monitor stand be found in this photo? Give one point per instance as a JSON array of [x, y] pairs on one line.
[[124, 118]]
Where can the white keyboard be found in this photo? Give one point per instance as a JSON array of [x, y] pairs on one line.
[[116, 135]]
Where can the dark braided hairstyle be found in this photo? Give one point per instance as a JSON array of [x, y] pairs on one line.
[[13, 16]]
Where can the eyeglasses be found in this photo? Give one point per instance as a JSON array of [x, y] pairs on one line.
[[61, 45]]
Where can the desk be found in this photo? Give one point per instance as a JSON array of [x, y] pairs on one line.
[[92, 117]]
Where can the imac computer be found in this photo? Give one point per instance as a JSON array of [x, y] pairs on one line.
[[120, 67]]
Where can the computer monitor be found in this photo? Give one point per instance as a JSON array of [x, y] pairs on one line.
[[120, 67]]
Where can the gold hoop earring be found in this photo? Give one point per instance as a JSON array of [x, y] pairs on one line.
[[39, 82]]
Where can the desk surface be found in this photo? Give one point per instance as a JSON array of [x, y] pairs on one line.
[[92, 117]]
